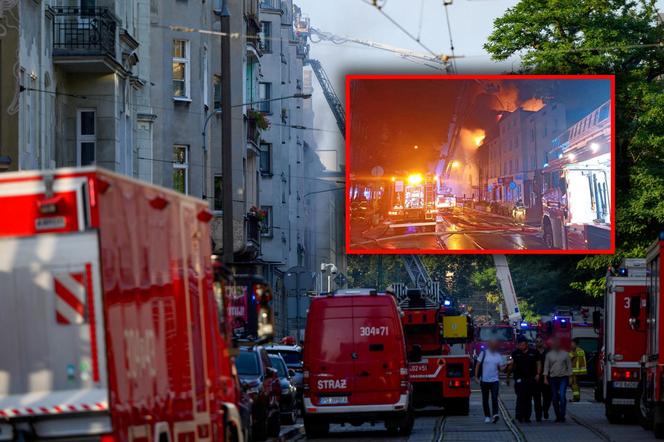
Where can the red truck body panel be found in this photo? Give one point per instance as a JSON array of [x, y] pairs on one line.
[[168, 362], [623, 345]]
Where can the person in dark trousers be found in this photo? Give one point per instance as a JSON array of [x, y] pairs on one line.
[[542, 397], [557, 370], [525, 368], [489, 365]]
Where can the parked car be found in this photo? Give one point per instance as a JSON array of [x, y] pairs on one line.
[[288, 402], [292, 355], [355, 364], [260, 382]]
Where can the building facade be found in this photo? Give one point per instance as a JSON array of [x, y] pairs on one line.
[[76, 84], [512, 155]]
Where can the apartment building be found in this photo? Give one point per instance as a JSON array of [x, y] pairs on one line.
[[73, 92], [513, 153]]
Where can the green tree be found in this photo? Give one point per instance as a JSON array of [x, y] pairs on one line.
[[621, 37]]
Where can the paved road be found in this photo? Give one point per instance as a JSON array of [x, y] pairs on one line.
[[585, 423], [459, 229]]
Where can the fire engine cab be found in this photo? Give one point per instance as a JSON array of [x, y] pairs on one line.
[[111, 326], [623, 340], [576, 180], [438, 377]]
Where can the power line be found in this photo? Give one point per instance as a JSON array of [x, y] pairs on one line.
[[101, 98], [380, 9]]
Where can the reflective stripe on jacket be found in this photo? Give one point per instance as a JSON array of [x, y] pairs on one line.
[[578, 357]]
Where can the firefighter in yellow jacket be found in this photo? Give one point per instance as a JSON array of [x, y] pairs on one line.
[[578, 357]]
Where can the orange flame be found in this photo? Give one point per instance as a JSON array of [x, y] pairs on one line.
[[533, 104]]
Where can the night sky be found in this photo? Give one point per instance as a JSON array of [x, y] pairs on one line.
[[389, 117]]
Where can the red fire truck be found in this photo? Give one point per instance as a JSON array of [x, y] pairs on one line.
[[576, 180], [438, 377], [503, 333], [623, 340], [109, 326], [652, 367], [558, 325], [413, 198]]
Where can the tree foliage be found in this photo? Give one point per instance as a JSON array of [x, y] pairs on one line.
[[621, 37]]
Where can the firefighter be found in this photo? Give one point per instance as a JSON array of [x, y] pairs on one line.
[[578, 357]]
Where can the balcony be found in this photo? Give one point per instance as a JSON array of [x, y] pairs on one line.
[[253, 132], [84, 40]]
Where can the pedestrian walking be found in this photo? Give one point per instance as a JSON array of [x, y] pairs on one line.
[[557, 370], [489, 364], [542, 394], [579, 368], [525, 368]]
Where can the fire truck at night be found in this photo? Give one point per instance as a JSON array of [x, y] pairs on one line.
[[430, 327], [413, 198], [116, 326], [576, 185]]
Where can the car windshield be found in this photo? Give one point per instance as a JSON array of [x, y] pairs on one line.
[[278, 364], [291, 357], [496, 333], [247, 364]]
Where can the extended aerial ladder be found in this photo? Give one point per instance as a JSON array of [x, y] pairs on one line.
[[330, 95], [504, 278]]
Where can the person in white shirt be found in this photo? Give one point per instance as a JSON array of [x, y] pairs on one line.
[[489, 364]]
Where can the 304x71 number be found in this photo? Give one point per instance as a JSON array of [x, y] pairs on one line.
[[375, 331]]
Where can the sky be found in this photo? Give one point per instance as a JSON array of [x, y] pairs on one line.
[[471, 22], [401, 124]]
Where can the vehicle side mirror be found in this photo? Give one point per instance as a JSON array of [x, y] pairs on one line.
[[415, 353], [291, 372], [597, 319]]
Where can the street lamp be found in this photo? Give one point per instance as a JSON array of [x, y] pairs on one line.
[[298, 95]]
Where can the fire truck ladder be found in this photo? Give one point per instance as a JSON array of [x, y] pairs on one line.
[[330, 95], [507, 287], [417, 272]]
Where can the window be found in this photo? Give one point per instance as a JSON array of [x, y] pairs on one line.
[[266, 225], [264, 93], [86, 136], [217, 204], [266, 158], [217, 92], [181, 168], [266, 36], [181, 69]]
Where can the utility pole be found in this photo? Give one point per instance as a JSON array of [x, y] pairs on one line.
[[226, 138]]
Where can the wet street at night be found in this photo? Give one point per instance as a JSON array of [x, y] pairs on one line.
[[457, 229]]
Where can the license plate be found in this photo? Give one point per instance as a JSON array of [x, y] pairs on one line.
[[618, 401], [333, 400], [625, 384]]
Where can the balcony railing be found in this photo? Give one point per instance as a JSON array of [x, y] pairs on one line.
[[253, 132], [83, 31]]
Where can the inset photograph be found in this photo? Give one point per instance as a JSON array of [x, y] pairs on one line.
[[480, 164]]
